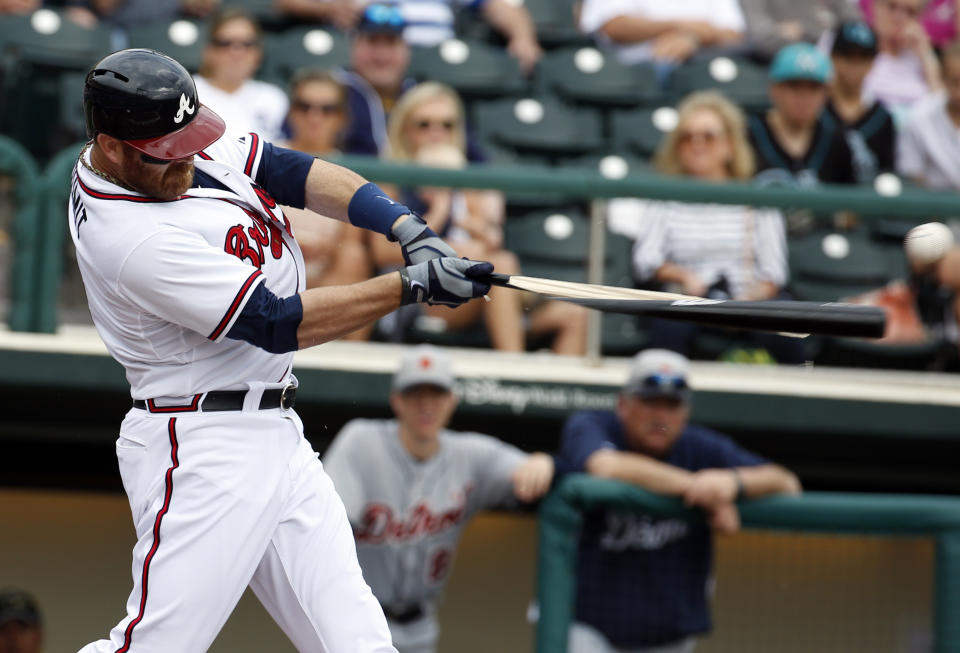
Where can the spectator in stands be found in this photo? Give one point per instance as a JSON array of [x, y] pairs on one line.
[[773, 24], [410, 485], [939, 19], [906, 68], [796, 142], [928, 147], [643, 582], [427, 127], [667, 33], [130, 13], [18, 6], [334, 253], [429, 22], [21, 626], [707, 250], [870, 131], [230, 59]]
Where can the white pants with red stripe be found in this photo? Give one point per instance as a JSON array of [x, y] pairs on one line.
[[224, 500]]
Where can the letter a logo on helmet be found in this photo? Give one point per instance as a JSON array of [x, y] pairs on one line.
[[184, 106]]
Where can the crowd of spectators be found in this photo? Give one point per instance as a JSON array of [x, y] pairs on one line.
[[856, 89]]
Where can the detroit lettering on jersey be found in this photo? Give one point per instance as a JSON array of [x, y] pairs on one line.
[[379, 523], [640, 532]]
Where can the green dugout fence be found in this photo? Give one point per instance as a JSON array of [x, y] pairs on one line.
[[561, 513]]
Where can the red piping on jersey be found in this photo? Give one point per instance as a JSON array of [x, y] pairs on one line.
[[167, 496], [118, 196], [233, 306], [203, 155], [191, 407], [254, 141]]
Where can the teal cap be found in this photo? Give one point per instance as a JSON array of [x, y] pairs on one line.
[[801, 61]]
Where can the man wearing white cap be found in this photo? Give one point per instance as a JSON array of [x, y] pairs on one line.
[[410, 486], [643, 581]]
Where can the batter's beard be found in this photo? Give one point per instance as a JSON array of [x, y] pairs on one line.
[[143, 178]]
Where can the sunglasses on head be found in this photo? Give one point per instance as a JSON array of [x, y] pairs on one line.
[[383, 15], [664, 382], [246, 44], [447, 125], [326, 108]]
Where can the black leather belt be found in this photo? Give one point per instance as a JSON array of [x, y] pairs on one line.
[[220, 400], [404, 615]]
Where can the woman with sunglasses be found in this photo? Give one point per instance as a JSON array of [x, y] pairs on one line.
[[725, 252], [230, 60], [426, 126]]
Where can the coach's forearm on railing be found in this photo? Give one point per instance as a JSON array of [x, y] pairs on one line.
[[762, 480], [640, 470]]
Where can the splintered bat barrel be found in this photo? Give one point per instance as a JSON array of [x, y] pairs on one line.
[[782, 316], [788, 316]]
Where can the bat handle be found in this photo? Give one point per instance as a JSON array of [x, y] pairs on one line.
[[498, 279]]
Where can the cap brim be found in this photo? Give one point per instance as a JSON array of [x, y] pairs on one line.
[[203, 130]]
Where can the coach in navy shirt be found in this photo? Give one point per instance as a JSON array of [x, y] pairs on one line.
[[643, 581]]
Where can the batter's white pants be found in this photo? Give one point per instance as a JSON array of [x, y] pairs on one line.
[[224, 500], [584, 638]]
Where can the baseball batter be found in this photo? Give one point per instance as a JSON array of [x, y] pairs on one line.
[[410, 486], [196, 285]]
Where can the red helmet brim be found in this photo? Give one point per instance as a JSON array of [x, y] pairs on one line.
[[203, 130]]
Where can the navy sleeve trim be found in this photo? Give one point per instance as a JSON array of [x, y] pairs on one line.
[[283, 173], [269, 322]]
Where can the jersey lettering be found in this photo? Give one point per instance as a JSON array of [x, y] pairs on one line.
[[261, 233], [79, 211], [439, 565], [379, 524]]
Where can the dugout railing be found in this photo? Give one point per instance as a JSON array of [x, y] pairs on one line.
[[561, 513], [45, 245]]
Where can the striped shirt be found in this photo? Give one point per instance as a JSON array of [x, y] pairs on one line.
[[743, 244], [430, 22]]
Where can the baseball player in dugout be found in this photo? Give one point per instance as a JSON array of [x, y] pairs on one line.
[[196, 286], [643, 583], [410, 485]]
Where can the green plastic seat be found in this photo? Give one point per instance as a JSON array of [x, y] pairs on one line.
[[587, 75], [542, 125], [611, 164], [475, 69], [743, 82], [48, 38], [827, 266], [302, 47], [26, 234], [642, 130], [71, 104], [182, 39], [554, 20]]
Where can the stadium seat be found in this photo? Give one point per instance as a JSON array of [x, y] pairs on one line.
[[612, 165], [302, 47], [22, 249], [474, 69], [554, 22], [827, 266], [48, 38], [587, 75], [539, 125], [642, 130], [182, 39], [743, 82], [71, 104]]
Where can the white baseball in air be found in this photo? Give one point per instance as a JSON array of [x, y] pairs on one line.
[[927, 243], [888, 184]]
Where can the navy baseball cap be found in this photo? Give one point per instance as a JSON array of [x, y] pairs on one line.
[[801, 61], [659, 373], [854, 38], [17, 605], [383, 19]]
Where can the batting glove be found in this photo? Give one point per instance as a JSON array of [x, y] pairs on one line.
[[448, 281], [418, 242]]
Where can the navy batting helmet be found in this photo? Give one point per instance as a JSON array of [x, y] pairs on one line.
[[149, 101]]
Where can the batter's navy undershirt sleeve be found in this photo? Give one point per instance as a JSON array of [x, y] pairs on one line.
[[269, 322], [283, 173]]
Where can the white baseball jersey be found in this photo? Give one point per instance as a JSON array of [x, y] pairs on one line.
[[166, 280], [407, 515]]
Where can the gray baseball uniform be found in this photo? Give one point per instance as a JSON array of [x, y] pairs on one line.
[[407, 515]]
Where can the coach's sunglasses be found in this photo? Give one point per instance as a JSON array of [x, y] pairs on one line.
[[664, 382]]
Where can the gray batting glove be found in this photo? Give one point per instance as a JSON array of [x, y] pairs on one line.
[[448, 281], [418, 242]]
